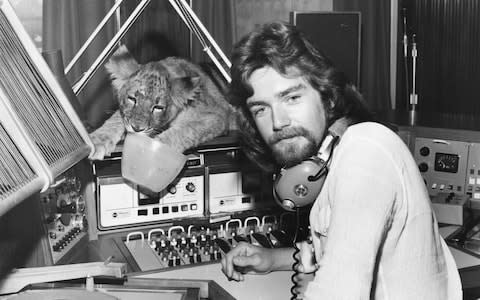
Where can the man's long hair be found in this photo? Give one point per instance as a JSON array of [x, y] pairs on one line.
[[285, 49]]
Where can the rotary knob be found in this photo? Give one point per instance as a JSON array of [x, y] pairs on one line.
[[423, 167], [190, 187], [424, 151], [172, 189]]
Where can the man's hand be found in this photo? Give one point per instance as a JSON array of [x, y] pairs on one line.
[[306, 257], [247, 258]]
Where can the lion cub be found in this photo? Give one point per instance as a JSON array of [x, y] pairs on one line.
[[172, 100]]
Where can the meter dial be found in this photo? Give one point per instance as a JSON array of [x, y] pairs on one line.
[[445, 162]]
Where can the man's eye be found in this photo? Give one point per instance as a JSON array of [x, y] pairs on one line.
[[257, 111], [293, 98], [132, 99]]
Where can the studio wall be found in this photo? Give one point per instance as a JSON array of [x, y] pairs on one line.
[[251, 13]]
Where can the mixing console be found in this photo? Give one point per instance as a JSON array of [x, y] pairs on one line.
[[178, 246]]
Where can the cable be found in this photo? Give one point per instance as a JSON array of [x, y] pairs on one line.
[[295, 286], [324, 169]]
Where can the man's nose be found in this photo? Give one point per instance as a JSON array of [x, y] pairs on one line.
[[280, 118]]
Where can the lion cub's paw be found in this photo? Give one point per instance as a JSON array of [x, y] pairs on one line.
[[103, 146]]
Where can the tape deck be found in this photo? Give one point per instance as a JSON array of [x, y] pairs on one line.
[[217, 179]]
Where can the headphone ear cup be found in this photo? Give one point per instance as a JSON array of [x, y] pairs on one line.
[[301, 184], [292, 187]]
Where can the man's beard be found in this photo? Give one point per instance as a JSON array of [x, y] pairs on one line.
[[288, 154]]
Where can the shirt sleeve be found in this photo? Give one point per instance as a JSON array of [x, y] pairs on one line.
[[361, 189]]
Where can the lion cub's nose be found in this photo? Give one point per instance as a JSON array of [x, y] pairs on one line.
[[137, 128]]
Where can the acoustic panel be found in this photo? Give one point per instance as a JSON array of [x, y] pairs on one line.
[[337, 35]]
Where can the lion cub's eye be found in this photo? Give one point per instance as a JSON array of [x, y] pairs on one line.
[[132, 100], [158, 108]]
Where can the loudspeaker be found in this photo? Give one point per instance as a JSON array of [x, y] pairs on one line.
[[337, 35]]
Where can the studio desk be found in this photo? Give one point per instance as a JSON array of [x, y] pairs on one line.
[[180, 252], [145, 260], [181, 233], [145, 257]]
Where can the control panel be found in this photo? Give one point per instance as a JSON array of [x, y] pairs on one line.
[[216, 181], [449, 207], [451, 171], [473, 175], [121, 203], [64, 215], [226, 194], [443, 164], [162, 248], [233, 183]]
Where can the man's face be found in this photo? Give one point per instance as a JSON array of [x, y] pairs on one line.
[[289, 114]]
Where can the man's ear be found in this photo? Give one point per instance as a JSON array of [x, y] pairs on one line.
[[120, 66], [184, 89]]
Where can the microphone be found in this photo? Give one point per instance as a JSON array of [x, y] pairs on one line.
[[414, 46], [405, 38]]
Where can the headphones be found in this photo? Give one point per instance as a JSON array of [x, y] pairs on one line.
[[300, 185]]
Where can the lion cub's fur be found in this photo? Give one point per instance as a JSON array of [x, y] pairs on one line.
[[172, 100]]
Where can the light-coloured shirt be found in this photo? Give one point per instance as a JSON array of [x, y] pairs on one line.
[[374, 233]]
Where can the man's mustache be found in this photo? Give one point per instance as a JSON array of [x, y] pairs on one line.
[[287, 133]]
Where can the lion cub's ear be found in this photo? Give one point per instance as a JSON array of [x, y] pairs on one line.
[[120, 66], [184, 88]]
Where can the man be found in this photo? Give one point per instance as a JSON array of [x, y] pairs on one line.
[[374, 233]]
